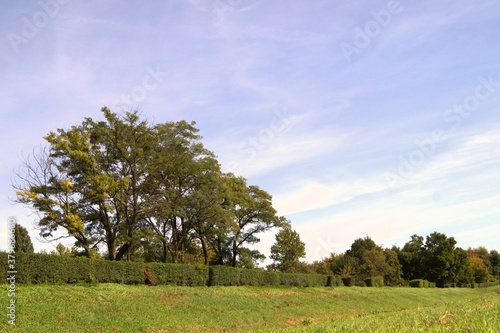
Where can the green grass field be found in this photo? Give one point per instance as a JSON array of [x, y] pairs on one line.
[[124, 308]]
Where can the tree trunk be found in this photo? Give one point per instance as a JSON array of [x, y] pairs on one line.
[[234, 255], [110, 242], [165, 250], [205, 249], [122, 251]]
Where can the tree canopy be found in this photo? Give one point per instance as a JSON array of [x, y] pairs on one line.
[[287, 251], [22, 239], [135, 187]]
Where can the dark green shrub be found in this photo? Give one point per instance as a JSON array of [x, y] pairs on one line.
[[292, 279], [224, 276], [252, 277], [417, 283], [106, 271], [375, 281], [334, 281], [271, 278], [347, 281], [91, 280], [79, 269], [178, 274], [484, 284], [303, 280], [41, 268], [317, 280], [132, 272]]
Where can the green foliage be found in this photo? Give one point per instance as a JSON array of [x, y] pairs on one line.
[[495, 263], [287, 250], [334, 281], [480, 272], [393, 271], [224, 276], [439, 258], [178, 274], [258, 277], [271, 278], [117, 271], [348, 281], [22, 240], [343, 264], [303, 280], [149, 191], [376, 281], [251, 213], [420, 283], [360, 246], [411, 258], [485, 284]]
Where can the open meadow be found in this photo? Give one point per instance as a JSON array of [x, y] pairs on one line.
[[130, 308]]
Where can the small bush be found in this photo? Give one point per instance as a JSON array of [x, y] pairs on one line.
[[347, 281], [91, 280]]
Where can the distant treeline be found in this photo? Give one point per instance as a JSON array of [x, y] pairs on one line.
[[436, 259]]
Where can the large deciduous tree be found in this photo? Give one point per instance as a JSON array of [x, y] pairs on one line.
[[411, 258], [251, 213], [131, 186]]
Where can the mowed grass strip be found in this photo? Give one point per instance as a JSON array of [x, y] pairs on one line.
[[124, 308]]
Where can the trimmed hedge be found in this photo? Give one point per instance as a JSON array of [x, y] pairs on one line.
[[334, 281], [484, 284], [375, 281], [417, 283], [271, 278], [44, 268], [303, 280], [177, 274], [257, 277], [224, 276], [420, 283]]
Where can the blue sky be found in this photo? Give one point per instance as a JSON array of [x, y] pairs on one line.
[[376, 118]]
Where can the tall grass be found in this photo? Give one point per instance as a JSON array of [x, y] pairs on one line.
[[125, 308]]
